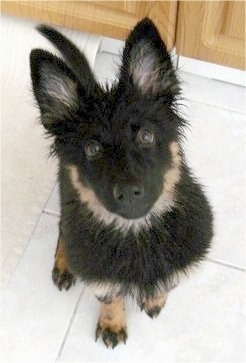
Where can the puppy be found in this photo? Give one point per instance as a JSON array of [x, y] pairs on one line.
[[133, 217]]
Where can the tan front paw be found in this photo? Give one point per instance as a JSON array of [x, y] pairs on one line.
[[111, 336], [111, 325]]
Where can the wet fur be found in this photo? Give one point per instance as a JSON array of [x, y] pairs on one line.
[[145, 262], [112, 254]]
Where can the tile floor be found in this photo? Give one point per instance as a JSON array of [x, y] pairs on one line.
[[204, 319]]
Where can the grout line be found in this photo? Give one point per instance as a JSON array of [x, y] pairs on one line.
[[51, 213], [109, 53], [69, 326], [226, 264], [108, 79], [223, 108], [25, 245], [47, 201], [222, 263], [218, 262], [23, 250]]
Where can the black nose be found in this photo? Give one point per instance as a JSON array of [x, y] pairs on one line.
[[128, 193]]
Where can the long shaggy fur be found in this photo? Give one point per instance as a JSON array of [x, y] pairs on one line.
[[113, 257]]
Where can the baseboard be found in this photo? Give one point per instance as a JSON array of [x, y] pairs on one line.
[[200, 68], [211, 70]]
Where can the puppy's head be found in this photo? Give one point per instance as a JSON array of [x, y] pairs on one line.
[[118, 143]]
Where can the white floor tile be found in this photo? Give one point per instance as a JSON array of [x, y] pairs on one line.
[[202, 322], [215, 149], [35, 314]]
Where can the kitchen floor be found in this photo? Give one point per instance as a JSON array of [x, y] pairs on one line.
[[204, 318]]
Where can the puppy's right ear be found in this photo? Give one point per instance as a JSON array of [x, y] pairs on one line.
[[55, 89], [147, 64]]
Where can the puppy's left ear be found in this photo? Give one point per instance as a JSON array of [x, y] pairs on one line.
[[146, 63], [55, 89]]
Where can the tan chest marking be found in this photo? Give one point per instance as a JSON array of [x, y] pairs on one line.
[[165, 201]]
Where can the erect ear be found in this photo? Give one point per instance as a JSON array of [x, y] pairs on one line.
[[147, 63], [54, 86], [74, 58]]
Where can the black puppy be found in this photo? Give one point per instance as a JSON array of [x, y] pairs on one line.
[[133, 218]]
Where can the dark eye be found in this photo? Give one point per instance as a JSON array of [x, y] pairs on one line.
[[92, 148], [145, 137]]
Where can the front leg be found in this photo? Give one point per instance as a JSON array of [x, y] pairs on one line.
[[61, 275], [112, 325]]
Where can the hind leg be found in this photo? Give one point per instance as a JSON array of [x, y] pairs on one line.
[[61, 275]]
